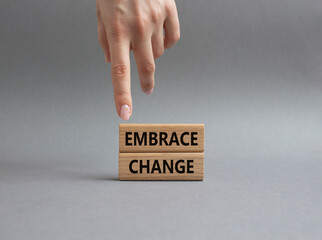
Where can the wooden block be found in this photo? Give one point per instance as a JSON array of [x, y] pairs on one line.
[[161, 138], [161, 166]]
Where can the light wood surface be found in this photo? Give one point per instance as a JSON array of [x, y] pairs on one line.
[[184, 166], [167, 137]]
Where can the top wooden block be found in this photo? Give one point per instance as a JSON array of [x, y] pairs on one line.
[[161, 138]]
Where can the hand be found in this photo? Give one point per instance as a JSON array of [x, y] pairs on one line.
[[125, 25]]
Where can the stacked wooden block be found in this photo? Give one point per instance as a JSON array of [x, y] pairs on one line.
[[161, 151]]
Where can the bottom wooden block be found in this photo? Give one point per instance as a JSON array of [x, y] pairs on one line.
[[161, 166]]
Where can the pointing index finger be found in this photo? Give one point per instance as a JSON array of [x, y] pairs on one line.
[[120, 71]]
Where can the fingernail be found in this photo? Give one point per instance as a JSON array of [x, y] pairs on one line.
[[149, 91], [125, 112]]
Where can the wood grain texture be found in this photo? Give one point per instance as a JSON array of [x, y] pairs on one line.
[[184, 166], [177, 136]]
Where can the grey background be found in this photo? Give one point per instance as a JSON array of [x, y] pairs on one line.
[[250, 70]]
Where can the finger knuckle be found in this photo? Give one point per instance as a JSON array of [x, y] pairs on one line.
[[140, 25], [176, 37], [171, 40], [119, 70], [117, 30], [148, 68], [169, 6], [156, 16]]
